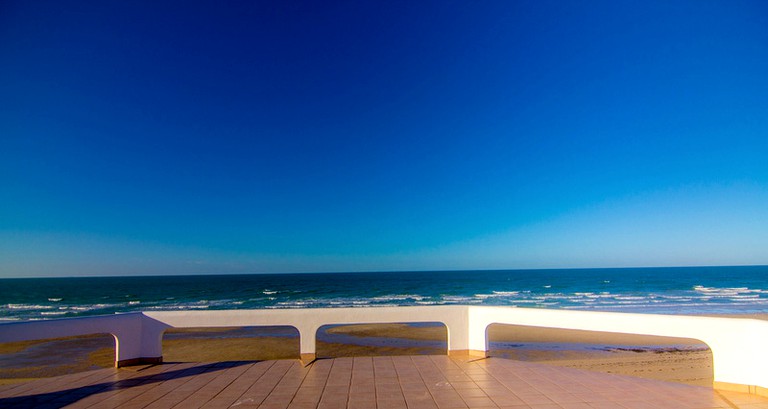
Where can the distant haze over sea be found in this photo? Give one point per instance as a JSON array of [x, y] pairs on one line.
[[669, 290]]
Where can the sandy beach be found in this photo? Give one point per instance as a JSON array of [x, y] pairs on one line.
[[670, 359], [663, 358]]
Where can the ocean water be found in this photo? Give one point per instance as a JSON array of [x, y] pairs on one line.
[[681, 290]]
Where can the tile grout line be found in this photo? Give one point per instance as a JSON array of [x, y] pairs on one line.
[[155, 385], [213, 369], [136, 375], [275, 385], [260, 375], [226, 386], [429, 390], [325, 383], [308, 368], [184, 372], [255, 381], [472, 380], [421, 376], [726, 400]]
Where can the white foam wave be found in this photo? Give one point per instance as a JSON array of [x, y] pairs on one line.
[[28, 307], [177, 307], [92, 307], [728, 291], [457, 298], [295, 303], [398, 297], [498, 294]]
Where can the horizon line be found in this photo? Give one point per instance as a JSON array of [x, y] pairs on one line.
[[383, 271]]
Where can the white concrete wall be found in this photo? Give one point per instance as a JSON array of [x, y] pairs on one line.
[[308, 321], [126, 328], [737, 344]]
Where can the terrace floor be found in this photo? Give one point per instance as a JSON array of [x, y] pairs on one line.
[[413, 382]]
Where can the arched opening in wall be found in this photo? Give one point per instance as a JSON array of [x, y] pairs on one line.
[[424, 338], [221, 344], [681, 360], [26, 360]]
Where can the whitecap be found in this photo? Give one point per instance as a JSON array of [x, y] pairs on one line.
[[456, 298], [398, 297], [28, 307], [498, 294]]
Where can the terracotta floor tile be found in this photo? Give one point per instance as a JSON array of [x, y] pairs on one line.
[[507, 400], [575, 405], [331, 405], [471, 393], [416, 382], [535, 399], [480, 402], [302, 405]]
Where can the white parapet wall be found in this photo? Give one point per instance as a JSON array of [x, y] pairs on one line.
[[132, 343], [740, 359], [308, 321], [737, 344]]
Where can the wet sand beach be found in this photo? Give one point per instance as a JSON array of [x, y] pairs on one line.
[[662, 358]]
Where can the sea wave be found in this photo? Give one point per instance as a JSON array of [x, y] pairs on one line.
[[728, 291], [27, 307], [689, 295], [398, 297], [48, 313]]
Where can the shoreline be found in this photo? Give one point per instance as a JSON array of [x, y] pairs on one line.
[[671, 359]]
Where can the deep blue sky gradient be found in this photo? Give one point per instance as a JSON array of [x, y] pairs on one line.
[[144, 138]]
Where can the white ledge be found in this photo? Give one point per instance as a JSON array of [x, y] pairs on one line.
[[737, 344]]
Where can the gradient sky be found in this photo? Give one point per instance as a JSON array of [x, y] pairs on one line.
[[287, 136]]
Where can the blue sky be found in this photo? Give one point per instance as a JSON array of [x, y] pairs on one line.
[[138, 138]]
